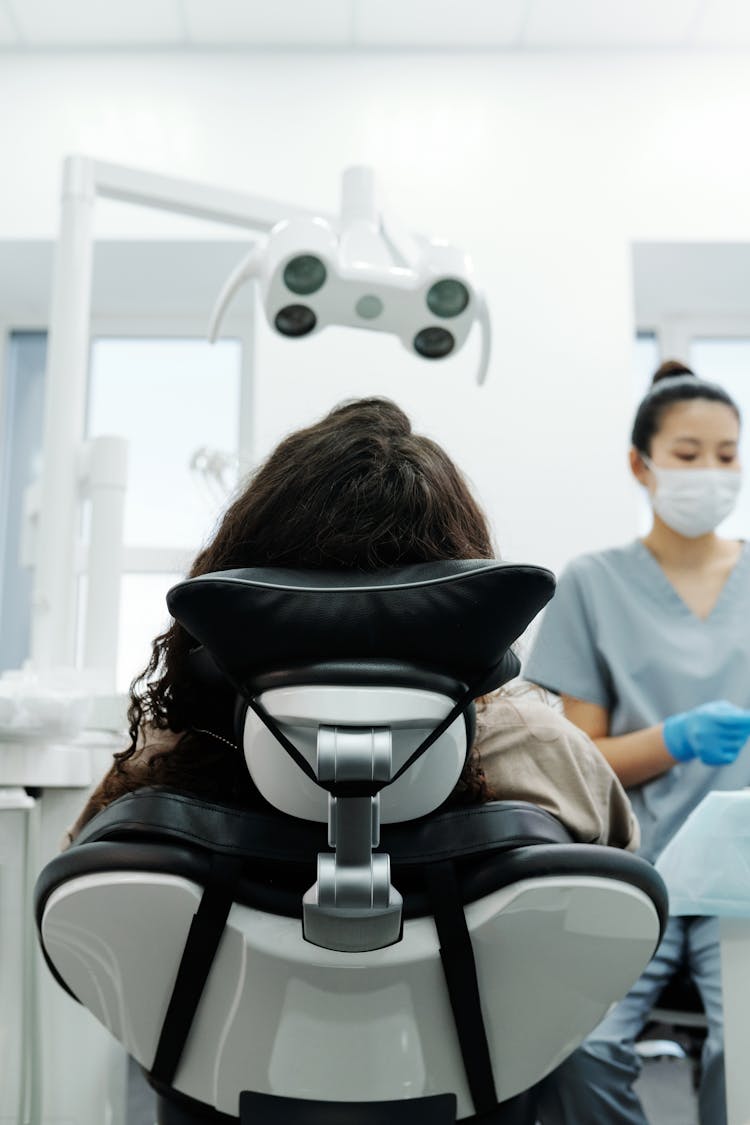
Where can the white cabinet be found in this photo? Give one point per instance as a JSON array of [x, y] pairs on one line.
[[58, 1066], [16, 813]]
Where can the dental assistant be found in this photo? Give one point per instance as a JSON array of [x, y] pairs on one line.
[[648, 646]]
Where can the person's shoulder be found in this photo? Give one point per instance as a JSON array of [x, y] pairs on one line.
[[527, 711], [526, 717], [596, 562]]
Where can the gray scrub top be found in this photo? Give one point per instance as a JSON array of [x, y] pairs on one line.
[[618, 634]]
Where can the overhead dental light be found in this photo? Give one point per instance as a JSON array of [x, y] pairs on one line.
[[363, 271]]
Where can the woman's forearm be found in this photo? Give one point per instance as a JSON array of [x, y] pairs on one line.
[[637, 757]]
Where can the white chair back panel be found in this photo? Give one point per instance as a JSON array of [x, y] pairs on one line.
[[284, 1017], [564, 947], [411, 713], [116, 941]]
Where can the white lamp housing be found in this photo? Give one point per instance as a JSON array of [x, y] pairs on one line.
[[363, 272]]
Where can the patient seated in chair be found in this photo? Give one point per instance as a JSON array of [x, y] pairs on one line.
[[357, 491], [336, 664]]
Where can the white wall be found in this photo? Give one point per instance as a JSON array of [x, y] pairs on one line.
[[545, 166]]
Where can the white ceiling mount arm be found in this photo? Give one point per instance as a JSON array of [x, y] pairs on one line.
[[362, 203], [359, 195], [485, 328], [187, 197], [360, 238], [249, 267], [406, 249]]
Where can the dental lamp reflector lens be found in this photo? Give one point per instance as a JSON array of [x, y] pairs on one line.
[[434, 343], [304, 275], [295, 320], [448, 297]]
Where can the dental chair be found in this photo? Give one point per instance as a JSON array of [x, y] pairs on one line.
[[351, 950]]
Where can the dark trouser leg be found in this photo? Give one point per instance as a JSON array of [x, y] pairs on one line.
[[595, 1085], [704, 965]]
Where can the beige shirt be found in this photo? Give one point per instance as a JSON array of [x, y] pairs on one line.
[[530, 752]]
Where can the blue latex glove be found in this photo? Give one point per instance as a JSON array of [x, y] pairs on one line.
[[713, 732]]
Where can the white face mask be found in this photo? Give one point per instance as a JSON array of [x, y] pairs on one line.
[[694, 501]]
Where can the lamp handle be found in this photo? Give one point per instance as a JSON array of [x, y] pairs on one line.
[[248, 268], [485, 328]]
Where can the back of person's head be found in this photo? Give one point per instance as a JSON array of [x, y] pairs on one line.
[[673, 382], [356, 490]]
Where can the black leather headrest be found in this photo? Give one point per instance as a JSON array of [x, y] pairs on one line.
[[457, 618]]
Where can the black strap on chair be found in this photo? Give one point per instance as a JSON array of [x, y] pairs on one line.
[[459, 968], [198, 955]]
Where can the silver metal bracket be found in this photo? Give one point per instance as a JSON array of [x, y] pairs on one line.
[[353, 906]]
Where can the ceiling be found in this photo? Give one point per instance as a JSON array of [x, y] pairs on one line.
[[30, 25]]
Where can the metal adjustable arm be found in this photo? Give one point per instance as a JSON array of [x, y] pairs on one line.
[[353, 907]]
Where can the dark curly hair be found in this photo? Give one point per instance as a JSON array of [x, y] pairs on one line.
[[357, 490]]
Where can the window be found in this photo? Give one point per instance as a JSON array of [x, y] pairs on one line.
[[171, 398]]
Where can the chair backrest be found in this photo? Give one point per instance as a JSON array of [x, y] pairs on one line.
[[459, 952], [559, 931], [356, 676]]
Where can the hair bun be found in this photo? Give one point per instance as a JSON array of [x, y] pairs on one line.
[[669, 369]]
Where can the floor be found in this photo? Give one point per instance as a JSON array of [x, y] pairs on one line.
[[666, 1092], [665, 1088]]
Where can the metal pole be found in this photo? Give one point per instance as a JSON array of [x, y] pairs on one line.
[[54, 597], [107, 484]]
